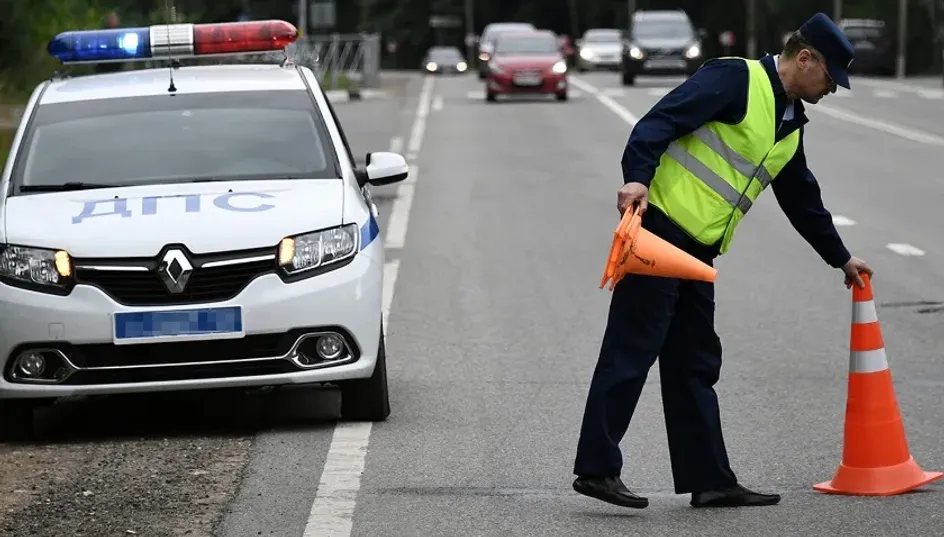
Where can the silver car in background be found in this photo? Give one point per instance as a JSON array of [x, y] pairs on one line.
[[599, 48]]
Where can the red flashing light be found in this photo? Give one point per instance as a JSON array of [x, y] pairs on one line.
[[237, 37]]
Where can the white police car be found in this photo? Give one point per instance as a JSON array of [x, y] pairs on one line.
[[188, 227]]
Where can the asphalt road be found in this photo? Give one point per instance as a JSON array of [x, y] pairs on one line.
[[496, 247]]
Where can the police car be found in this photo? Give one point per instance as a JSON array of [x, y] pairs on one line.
[[188, 227]]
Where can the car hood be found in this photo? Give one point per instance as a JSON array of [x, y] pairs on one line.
[[525, 61], [664, 42], [206, 217]]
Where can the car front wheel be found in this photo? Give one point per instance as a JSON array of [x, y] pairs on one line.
[[368, 399]]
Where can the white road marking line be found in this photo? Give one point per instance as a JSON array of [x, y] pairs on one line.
[[931, 93], [475, 94], [889, 84], [399, 220], [391, 271], [438, 103], [396, 144], [411, 177], [890, 128], [422, 112], [885, 94], [839, 220], [606, 101], [332, 514], [905, 249], [332, 511]]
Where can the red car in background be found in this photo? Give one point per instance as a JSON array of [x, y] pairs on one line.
[[527, 63]]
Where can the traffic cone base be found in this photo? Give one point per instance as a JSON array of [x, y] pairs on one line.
[[636, 250], [876, 460], [887, 481]]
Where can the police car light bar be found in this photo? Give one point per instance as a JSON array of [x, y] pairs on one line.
[[172, 41]]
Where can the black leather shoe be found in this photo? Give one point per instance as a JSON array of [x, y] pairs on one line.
[[736, 496], [610, 490]]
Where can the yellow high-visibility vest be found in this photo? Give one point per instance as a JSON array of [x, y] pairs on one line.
[[707, 180]]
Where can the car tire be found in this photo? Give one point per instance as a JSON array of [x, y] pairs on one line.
[[368, 399], [481, 75], [16, 420], [561, 95], [628, 79], [490, 96]]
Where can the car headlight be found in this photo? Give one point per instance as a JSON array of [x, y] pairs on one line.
[[461, 66], [431, 66], [693, 52], [559, 68], [37, 268], [635, 53], [586, 54], [301, 254]]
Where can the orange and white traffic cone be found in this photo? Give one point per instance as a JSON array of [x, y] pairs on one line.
[[876, 460]]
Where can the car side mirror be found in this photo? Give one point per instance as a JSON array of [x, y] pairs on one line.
[[383, 168]]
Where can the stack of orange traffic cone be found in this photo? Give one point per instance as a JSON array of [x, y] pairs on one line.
[[876, 460], [637, 251]]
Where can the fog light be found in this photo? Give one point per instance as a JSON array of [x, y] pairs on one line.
[[31, 364], [330, 347]]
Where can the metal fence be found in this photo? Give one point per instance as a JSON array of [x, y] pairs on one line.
[[341, 61]]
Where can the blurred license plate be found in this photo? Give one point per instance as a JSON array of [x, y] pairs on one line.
[[528, 80], [178, 324], [664, 64]]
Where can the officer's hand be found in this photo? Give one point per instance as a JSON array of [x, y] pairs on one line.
[[853, 268], [632, 193]]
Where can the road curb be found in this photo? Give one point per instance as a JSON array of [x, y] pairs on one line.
[[343, 96]]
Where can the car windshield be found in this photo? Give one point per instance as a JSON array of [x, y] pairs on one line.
[[445, 55], [670, 29], [493, 33], [603, 36], [536, 44], [179, 138]]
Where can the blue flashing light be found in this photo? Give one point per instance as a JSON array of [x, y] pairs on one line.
[[101, 45]]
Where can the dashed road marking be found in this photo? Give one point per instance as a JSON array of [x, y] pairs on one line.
[[840, 220], [885, 94], [438, 103], [396, 144], [905, 249]]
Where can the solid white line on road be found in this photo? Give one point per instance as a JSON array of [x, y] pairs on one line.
[[606, 101], [931, 93], [396, 144], [905, 249], [422, 112], [839, 220], [332, 514], [391, 271], [332, 511], [438, 103], [885, 94], [890, 128], [399, 218]]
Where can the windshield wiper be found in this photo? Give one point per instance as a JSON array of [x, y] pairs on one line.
[[65, 187]]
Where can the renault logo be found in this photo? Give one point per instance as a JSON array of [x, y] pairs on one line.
[[175, 271]]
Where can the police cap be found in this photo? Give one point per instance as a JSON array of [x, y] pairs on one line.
[[823, 35]]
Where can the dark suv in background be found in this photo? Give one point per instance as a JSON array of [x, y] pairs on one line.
[[660, 42], [874, 48]]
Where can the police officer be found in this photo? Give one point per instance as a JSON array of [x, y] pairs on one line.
[[694, 164]]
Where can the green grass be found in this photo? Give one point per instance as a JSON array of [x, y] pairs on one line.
[[340, 81], [6, 138]]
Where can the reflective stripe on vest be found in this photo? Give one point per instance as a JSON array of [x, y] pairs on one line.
[[713, 180]]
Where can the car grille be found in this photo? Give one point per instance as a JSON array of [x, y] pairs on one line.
[[226, 275], [665, 53]]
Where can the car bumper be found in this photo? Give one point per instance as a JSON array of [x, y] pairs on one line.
[[598, 63], [281, 323], [505, 84], [661, 66]]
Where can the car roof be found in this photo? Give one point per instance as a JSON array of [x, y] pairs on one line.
[[516, 34], [187, 79], [864, 23], [660, 14]]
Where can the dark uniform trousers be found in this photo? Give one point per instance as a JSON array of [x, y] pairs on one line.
[[673, 320]]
